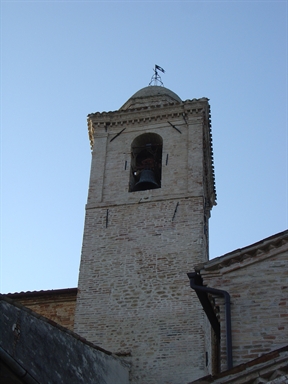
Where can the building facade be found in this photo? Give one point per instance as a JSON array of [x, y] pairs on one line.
[[136, 318], [150, 195], [256, 278]]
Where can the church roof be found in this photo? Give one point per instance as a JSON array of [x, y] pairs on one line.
[[38, 349], [150, 95], [252, 252], [270, 368], [50, 292]]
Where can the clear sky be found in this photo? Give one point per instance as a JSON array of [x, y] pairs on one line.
[[62, 60]]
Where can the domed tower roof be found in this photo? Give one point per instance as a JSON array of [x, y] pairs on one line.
[[153, 94]]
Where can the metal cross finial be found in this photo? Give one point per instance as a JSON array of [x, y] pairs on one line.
[[156, 78]]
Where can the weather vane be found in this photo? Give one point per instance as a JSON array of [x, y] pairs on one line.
[[156, 78]]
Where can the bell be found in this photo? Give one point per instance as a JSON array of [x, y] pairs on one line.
[[147, 181]]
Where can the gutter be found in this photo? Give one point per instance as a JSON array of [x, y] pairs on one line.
[[196, 283], [16, 368]]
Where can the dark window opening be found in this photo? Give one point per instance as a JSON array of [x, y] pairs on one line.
[[146, 162]]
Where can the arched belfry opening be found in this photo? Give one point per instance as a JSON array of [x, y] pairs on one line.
[[146, 162]]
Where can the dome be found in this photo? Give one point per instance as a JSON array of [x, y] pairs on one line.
[[153, 94]]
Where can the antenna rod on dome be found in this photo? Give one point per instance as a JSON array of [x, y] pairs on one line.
[[156, 78]]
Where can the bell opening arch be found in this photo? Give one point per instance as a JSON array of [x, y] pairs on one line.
[[146, 162]]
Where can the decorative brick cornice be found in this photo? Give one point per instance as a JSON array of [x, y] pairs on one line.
[[150, 108], [208, 160], [253, 253], [144, 114]]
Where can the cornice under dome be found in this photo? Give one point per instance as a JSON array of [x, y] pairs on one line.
[[153, 94]]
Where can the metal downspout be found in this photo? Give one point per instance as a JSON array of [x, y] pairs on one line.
[[194, 278]]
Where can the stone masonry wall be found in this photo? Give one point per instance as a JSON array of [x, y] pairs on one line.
[[259, 295], [134, 297], [58, 305]]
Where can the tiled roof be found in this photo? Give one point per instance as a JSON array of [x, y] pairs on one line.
[[65, 291], [269, 368]]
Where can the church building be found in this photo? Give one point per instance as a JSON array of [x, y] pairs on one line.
[[150, 195], [150, 307]]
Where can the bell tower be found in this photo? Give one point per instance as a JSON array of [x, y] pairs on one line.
[[150, 195]]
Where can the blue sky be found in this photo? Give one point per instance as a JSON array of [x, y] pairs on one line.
[[61, 60]]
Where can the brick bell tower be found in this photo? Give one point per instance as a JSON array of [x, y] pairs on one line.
[[150, 196]]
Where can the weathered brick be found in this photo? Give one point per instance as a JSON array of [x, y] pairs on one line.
[[57, 305], [259, 315], [134, 296]]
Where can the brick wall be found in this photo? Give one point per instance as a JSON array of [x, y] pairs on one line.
[[134, 297], [182, 164], [257, 280], [57, 305]]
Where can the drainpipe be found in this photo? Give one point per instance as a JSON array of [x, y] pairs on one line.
[[196, 283]]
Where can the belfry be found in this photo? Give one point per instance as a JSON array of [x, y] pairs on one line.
[[149, 201]]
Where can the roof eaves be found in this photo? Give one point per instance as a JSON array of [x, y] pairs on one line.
[[260, 248], [262, 366], [50, 292]]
